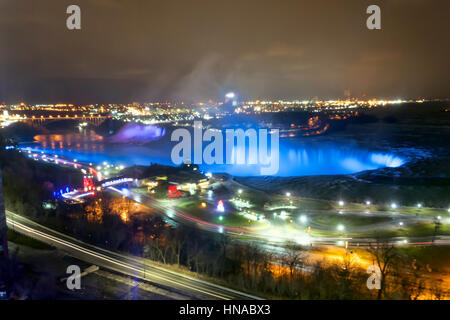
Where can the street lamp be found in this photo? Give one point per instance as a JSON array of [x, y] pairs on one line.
[[341, 203], [341, 227], [288, 194], [393, 205]]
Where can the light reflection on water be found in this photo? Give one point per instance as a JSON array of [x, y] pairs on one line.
[[296, 159]]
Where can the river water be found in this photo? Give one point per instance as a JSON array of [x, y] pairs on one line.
[[297, 157]]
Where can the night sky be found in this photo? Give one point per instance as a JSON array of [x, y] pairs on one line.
[[145, 50]]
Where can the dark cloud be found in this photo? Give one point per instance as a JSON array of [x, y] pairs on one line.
[[198, 49]]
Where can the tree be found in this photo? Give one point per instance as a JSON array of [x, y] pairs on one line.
[[383, 257], [293, 259]]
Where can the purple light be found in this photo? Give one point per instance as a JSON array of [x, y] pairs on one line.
[[138, 133]]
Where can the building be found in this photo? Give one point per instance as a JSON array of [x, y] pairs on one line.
[[230, 103]]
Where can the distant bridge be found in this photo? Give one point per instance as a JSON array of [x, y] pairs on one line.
[[40, 120]]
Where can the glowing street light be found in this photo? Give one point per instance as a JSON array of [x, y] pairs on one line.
[[220, 218], [240, 191], [341, 203], [341, 227], [400, 223], [393, 206], [288, 194], [419, 205], [439, 217], [303, 219], [368, 203]]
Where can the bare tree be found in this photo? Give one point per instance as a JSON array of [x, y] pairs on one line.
[[383, 257], [293, 258]]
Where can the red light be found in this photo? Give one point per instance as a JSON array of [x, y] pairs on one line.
[[174, 192]]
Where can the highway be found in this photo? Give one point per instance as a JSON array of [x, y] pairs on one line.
[[125, 264]]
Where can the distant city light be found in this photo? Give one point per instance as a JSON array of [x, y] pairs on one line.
[[340, 227], [393, 206], [341, 203], [400, 223], [230, 95], [288, 194], [240, 191], [439, 217], [368, 202], [419, 205], [208, 174]]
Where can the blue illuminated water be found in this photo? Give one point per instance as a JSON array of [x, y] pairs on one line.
[[296, 157]]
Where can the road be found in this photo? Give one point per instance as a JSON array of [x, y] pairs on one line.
[[125, 264]]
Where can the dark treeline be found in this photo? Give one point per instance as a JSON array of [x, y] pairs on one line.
[[27, 183]]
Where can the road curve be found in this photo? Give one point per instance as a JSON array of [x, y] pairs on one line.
[[125, 264]]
